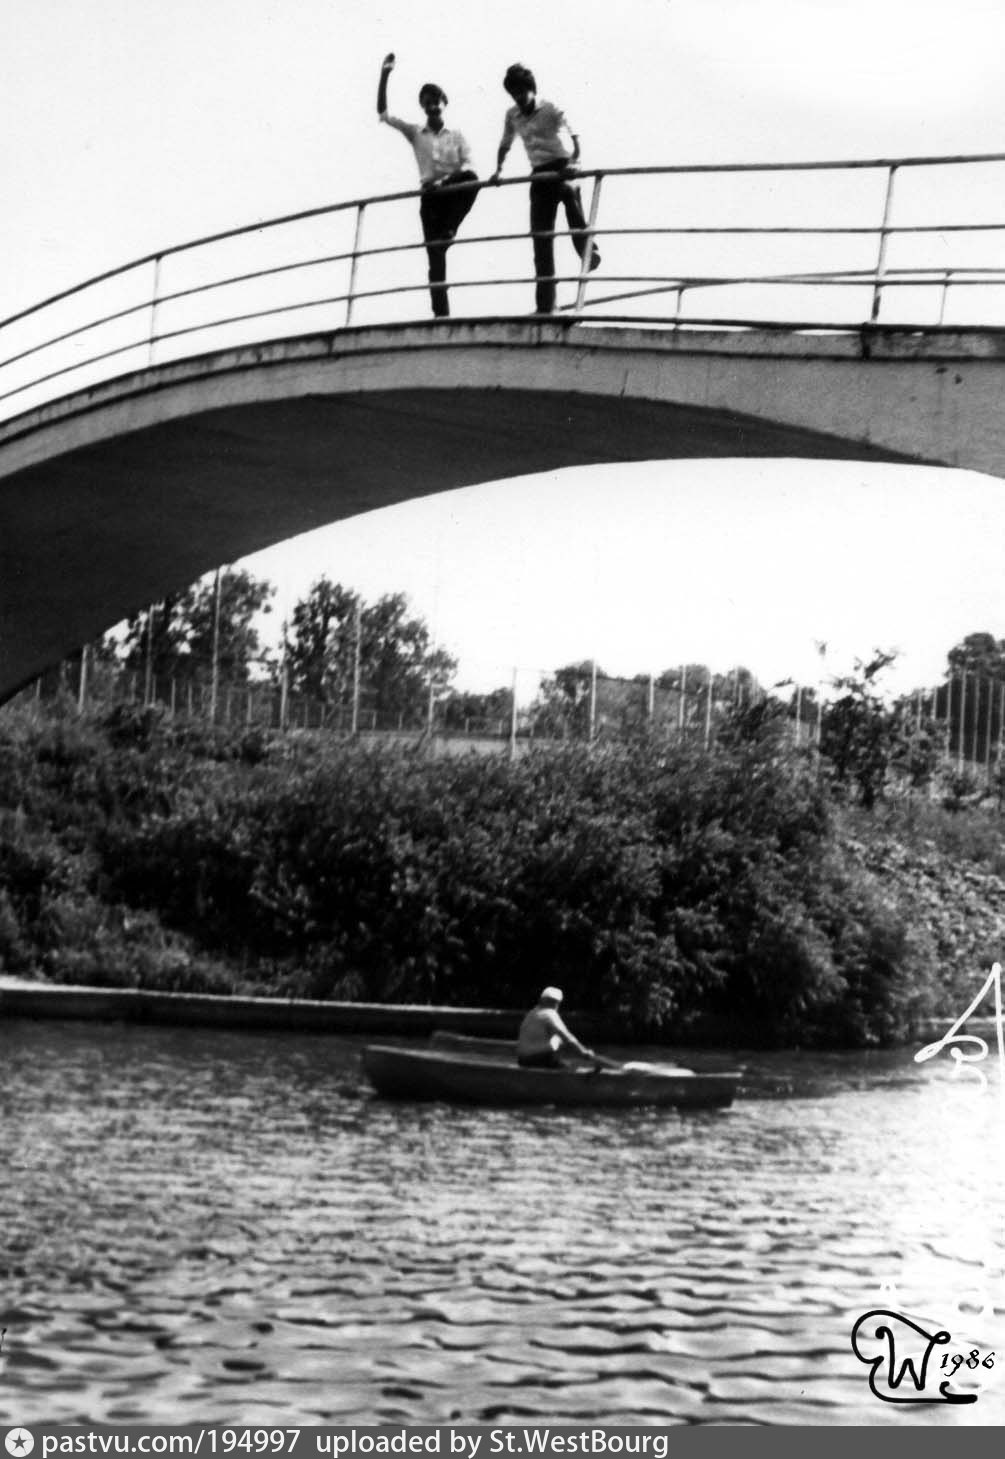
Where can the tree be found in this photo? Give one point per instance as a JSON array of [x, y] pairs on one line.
[[485, 712], [397, 661], [971, 701], [694, 677], [155, 646], [174, 639], [562, 707], [320, 643], [401, 665], [861, 735], [979, 653], [242, 598]]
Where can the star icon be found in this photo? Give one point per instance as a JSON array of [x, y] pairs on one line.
[[18, 1442]]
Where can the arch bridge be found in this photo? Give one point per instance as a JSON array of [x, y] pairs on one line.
[[202, 403]]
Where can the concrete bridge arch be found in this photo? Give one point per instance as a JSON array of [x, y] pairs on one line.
[[116, 495]]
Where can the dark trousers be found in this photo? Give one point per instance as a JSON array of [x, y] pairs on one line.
[[547, 1059], [441, 215], [548, 188]]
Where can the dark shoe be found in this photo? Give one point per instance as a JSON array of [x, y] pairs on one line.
[[594, 260]]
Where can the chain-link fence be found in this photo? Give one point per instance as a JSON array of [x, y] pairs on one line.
[[966, 714]]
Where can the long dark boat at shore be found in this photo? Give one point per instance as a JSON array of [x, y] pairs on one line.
[[489, 1074]]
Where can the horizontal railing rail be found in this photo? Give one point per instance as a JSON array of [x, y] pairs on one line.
[[137, 315]]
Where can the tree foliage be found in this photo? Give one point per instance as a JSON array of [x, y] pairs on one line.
[[398, 663], [464, 710], [174, 639]]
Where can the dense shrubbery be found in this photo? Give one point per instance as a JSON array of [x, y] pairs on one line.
[[661, 886]]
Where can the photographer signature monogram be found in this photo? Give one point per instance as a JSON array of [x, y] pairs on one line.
[[884, 1382], [977, 1048]]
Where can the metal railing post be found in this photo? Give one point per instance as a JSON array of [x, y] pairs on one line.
[[587, 259], [350, 301], [154, 297], [944, 296], [884, 233]]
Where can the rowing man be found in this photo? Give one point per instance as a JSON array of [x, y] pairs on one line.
[[543, 1035]]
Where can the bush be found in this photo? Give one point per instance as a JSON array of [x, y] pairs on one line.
[[666, 889]]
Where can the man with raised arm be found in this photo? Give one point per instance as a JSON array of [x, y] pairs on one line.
[[444, 159], [543, 1035], [553, 152]]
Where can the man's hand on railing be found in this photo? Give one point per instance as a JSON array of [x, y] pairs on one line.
[[387, 64]]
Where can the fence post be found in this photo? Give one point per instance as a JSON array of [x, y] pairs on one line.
[[148, 666], [592, 729], [82, 685], [284, 682], [351, 299], [884, 233], [708, 711], [512, 721], [681, 706], [214, 678], [356, 657]]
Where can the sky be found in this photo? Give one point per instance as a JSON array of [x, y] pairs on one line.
[[131, 126]]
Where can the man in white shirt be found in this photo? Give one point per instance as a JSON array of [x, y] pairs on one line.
[[444, 160], [543, 129], [543, 1035]]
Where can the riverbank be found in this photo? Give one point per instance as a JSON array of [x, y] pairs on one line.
[[21, 998], [678, 897]]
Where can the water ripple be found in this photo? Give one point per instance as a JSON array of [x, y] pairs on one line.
[[205, 1225]]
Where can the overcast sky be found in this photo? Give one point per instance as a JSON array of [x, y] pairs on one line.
[[132, 124]]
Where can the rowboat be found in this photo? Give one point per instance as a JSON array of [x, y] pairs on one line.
[[491, 1075]]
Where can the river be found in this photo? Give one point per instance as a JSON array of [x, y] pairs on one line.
[[207, 1226]]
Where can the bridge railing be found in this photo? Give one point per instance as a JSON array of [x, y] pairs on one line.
[[820, 246]]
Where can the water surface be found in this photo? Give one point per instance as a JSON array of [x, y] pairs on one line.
[[210, 1226]]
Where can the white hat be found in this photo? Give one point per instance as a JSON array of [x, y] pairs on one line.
[[553, 995]]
